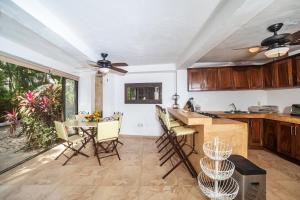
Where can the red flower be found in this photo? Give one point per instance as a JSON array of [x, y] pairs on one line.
[[29, 96]]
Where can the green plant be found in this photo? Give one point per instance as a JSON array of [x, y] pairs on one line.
[[39, 109]]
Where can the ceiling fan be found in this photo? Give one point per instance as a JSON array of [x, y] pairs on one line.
[[276, 45], [104, 66]]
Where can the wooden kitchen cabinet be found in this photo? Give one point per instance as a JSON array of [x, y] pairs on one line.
[[225, 78], [283, 73], [296, 71], [202, 79], [268, 75], [194, 80], [255, 77], [296, 142], [255, 133], [285, 138], [240, 77], [270, 135]]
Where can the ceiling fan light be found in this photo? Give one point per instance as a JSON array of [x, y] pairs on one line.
[[276, 52], [104, 70], [254, 49]]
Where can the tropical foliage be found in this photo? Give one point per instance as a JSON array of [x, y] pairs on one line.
[[39, 109], [15, 80]]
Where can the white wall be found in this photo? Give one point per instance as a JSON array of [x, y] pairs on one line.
[[139, 119], [284, 98], [220, 100], [86, 92]]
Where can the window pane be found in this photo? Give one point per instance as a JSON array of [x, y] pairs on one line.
[[70, 99]]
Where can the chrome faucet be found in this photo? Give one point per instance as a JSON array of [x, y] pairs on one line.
[[233, 107]]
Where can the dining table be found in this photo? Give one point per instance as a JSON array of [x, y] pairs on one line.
[[88, 128]]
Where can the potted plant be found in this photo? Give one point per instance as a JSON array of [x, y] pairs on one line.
[[12, 118]]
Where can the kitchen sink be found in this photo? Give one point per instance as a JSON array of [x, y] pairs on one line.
[[236, 112]]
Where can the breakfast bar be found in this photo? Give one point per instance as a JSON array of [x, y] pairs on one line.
[[227, 130]]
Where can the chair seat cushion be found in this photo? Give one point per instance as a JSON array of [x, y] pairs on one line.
[[75, 138], [174, 124], [181, 130]]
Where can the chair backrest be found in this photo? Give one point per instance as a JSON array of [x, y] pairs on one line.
[[80, 117], [107, 130], [118, 116], [166, 118], [61, 130]]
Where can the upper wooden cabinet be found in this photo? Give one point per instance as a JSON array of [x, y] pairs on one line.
[[202, 79], [255, 76], [296, 71], [240, 77], [269, 76], [278, 74], [225, 78], [283, 73]]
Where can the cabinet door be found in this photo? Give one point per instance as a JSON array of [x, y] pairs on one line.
[[225, 79], [285, 138], [255, 133], [240, 79], [255, 76], [270, 135], [209, 80], [296, 71], [194, 80], [284, 72], [269, 76], [297, 142]]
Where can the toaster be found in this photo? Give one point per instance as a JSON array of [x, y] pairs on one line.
[[295, 110]]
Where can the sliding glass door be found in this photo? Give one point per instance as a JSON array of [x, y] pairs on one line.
[[70, 94]]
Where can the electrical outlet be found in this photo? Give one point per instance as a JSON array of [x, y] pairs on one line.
[[140, 125]]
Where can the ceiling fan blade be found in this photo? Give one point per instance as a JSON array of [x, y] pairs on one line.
[[294, 38], [257, 46], [118, 69], [119, 64], [92, 63]]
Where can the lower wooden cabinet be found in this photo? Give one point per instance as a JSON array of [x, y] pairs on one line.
[[297, 142], [285, 138], [255, 132], [270, 135]]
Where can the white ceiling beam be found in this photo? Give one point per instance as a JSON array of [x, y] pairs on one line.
[[43, 15], [227, 18]]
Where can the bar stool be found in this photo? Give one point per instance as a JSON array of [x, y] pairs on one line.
[[173, 133]]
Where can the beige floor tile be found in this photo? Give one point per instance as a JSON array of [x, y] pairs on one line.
[[136, 176]]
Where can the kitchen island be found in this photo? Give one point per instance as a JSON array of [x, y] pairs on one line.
[[227, 130]]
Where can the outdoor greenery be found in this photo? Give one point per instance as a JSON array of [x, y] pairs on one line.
[[16, 80], [39, 109]]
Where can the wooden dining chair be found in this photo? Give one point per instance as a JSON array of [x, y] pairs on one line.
[[107, 134], [118, 116], [69, 142]]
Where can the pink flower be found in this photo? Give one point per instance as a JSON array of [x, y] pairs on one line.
[[45, 101], [11, 116], [29, 96]]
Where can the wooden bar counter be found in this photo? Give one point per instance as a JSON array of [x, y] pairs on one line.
[[227, 130]]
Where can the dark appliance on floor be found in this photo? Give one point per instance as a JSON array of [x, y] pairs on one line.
[[251, 179]]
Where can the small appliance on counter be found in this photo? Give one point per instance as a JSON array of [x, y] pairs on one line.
[[295, 110], [263, 109], [189, 106]]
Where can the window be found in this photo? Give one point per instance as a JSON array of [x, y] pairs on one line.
[[143, 93]]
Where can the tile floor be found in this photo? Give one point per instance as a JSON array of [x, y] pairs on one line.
[[136, 176]]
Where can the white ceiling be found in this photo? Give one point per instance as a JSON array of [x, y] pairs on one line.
[[252, 33], [142, 32], [139, 32]]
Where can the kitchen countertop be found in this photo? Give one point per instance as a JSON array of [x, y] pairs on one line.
[[272, 116], [192, 118]]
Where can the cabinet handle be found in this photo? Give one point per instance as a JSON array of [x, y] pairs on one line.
[[292, 128], [295, 130]]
